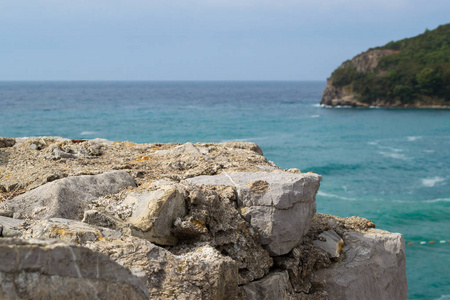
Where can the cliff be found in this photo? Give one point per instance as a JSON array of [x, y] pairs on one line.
[[413, 72], [98, 219]]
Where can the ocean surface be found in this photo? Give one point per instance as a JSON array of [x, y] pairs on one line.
[[391, 166]]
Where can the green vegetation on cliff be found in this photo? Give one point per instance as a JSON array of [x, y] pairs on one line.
[[417, 72]]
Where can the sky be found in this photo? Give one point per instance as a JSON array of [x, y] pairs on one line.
[[200, 39]]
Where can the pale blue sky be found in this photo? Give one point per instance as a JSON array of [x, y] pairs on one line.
[[200, 39]]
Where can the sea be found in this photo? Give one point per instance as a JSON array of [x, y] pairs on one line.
[[391, 166]]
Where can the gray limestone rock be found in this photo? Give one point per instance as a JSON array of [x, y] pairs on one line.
[[275, 286], [196, 272], [199, 272], [11, 227], [374, 268], [101, 141], [66, 197], [330, 242], [43, 269], [99, 218], [279, 205], [70, 231], [156, 211]]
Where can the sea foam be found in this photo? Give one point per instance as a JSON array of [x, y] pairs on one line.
[[323, 194], [431, 182]]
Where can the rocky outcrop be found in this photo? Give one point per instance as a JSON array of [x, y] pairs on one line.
[[204, 221], [344, 96]]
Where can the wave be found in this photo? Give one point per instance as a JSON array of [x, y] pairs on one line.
[[390, 148], [250, 139], [88, 133], [315, 116], [437, 200], [431, 182], [345, 106], [323, 194], [413, 138], [393, 155], [443, 297]]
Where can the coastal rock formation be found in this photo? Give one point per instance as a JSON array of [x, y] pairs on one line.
[[171, 221], [410, 73], [335, 95]]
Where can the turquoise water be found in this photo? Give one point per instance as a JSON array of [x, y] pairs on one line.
[[388, 165]]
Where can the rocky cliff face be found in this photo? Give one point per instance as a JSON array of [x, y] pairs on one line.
[[344, 96], [119, 220]]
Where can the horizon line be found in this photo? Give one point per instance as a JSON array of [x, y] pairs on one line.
[[165, 80]]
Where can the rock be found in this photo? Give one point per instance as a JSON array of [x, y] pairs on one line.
[[39, 269], [274, 286], [11, 227], [7, 142], [97, 218], [100, 141], [198, 273], [243, 145], [156, 211], [65, 230], [59, 153], [66, 197], [105, 220], [330, 242], [279, 205], [374, 268], [213, 218], [6, 213]]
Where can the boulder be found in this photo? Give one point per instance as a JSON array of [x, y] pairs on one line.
[[279, 205], [155, 213], [66, 197], [199, 272], [275, 286], [374, 268], [45, 269]]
